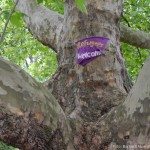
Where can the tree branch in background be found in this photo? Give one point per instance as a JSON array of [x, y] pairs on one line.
[[5, 27], [136, 38]]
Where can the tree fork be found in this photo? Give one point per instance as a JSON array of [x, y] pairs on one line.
[[88, 95]]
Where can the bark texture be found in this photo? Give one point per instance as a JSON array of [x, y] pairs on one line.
[[127, 125], [31, 118], [46, 25], [26, 133], [29, 115], [87, 93], [100, 85], [135, 38], [130, 122], [137, 107]]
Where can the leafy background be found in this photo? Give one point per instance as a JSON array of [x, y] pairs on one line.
[[40, 61], [136, 14]]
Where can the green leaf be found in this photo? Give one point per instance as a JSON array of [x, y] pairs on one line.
[[40, 1], [5, 14], [81, 5], [16, 19]]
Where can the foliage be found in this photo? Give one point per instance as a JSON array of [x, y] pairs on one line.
[[21, 48], [135, 59], [136, 15], [81, 4], [5, 147], [55, 5]]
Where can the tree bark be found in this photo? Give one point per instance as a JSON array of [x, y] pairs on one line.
[[135, 38], [87, 93], [129, 123], [88, 119], [100, 84], [137, 108], [30, 117], [25, 128], [45, 25]]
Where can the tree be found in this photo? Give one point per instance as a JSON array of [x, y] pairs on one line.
[[90, 109]]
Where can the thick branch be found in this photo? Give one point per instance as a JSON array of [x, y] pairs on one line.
[[44, 24], [23, 133], [136, 110], [26, 104], [136, 38], [132, 118]]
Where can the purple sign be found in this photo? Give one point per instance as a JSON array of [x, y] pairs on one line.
[[90, 48]]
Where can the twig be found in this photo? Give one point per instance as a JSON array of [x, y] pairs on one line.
[[5, 27], [140, 55], [125, 19]]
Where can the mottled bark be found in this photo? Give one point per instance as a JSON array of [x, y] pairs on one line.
[[136, 38], [27, 129], [29, 114], [45, 25], [129, 124], [137, 106], [94, 89], [88, 95], [27, 133], [124, 127]]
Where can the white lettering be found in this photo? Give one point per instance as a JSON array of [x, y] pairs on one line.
[[89, 54], [80, 56], [93, 54]]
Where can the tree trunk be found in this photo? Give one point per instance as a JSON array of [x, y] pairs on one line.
[[31, 118], [88, 92], [94, 89]]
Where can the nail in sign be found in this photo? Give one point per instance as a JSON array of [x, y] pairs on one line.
[[90, 48]]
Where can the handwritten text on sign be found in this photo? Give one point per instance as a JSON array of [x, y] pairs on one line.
[[90, 48]]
